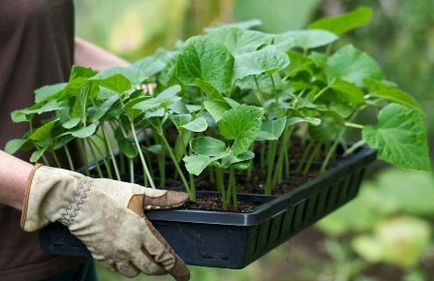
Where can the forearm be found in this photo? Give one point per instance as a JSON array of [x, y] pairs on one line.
[[13, 179], [90, 55]]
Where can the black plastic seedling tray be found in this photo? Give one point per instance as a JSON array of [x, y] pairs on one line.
[[234, 240]]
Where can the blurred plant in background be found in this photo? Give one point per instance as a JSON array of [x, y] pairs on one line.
[[386, 233]]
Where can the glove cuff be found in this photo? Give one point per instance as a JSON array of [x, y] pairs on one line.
[[51, 195]]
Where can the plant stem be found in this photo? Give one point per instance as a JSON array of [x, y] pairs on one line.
[[320, 93], [131, 161], [232, 186], [313, 156], [192, 188], [354, 147], [258, 91], [354, 125], [278, 171], [82, 149], [112, 155], [46, 162], [56, 160], [147, 175], [221, 186], [68, 156], [304, 156], [270, 166], [331, 151], [103, 156], [181, 174], [262, 155], [95, 160]]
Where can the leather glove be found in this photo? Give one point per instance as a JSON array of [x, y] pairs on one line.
[[107, 216]]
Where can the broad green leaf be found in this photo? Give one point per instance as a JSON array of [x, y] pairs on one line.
[[134, 74], [329, 128], [130, 111], [14, 145], [400, 137], [242, 24], [127, 148], [209, 90], [180, 119], [346, 22], [241, 124], [150, 66], [116, 82], [22, 115], [271, 129], [181, 143], [296, 120], [390, 93], [103, 108], [197, 125], [206, 59], [71, 123], [352, 65], [37, 154], [43, 132], [195, 164], [267, 60], [156, 149], [48, 92], [232, 160], [164, 99], [81, 72], [84, 132], [348, 93], [216, 108], [207, 146], [305, 39], [239, 41]]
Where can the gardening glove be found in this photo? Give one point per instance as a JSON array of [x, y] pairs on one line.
[[107, 216]]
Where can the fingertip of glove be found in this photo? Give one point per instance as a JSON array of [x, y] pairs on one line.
[[171, 199], [180, 271]]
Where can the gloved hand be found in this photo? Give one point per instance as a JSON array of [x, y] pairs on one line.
[[107, 216]]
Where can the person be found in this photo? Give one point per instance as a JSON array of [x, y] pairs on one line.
[[38, 47]]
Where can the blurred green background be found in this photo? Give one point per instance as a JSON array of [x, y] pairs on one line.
[[383, 235]]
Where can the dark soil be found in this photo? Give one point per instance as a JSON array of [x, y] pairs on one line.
[[213, 203]]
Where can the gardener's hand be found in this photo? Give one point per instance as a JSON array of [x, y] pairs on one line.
[[107, 216]]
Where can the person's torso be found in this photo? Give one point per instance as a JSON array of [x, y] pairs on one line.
[[36, 48]]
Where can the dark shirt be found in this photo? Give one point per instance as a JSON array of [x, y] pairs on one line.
[[36, 48]]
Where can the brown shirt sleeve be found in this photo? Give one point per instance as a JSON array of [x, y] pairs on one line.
[[36, 48]]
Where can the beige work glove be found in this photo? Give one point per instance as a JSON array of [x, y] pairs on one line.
[[107, 216]]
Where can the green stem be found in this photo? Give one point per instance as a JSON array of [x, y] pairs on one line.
[[354, 125], [278, 171], [68, 156], [112, 155], [83, 153], [192, 188], [312, 157], [103, 156], [270, 166], [233, 188], [172, 156], [354, 147], [221, 187], [262, 155], [95, 160], [258, 91], [56, 160], [147, 175], [320, 93], [303, 158], [331, 151], [46, 162], [131, 161]]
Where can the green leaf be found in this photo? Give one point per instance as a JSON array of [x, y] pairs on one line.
[[84, 132], [209, 90], [14, 145], [271, 129], [133, 74], [104, 107], [164, 99], [233, 159], [239, 41], [267, 60], [348, 93], [127, 148], [115, 82], [296, 120], [390, 93], [48, 92], [206, 59], [149, 66], [37, 154], [346, 22], [195, 164], [329, 129], [180, 119], [71, 123], [352, 65], [400, 137], [81, 72], [241, 124], [43, 132], [197, 125], [242, 24], [216, 108], [207, 146], [305, 39]]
